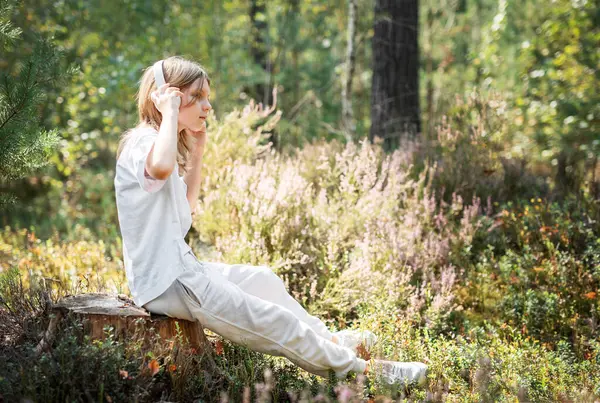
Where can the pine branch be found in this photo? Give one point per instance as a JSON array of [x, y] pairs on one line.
[[18, 108], [24, 145], [8, 34]]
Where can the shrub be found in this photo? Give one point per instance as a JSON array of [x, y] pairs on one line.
[[541, 272]]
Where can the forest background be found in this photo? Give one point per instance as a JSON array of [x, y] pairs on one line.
[[460, 224]]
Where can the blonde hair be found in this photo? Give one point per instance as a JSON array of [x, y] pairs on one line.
[[178, 72]]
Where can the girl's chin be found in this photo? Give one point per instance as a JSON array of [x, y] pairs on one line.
[[194, 129], [195, 132], [200, 127]]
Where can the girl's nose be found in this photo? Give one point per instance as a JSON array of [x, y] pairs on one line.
[[207, 106]]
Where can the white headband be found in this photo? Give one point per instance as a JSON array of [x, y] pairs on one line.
[[159, 78]]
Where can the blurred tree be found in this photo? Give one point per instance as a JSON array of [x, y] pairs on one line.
[[561, 102], [259, 50], [438, 35], [395, 109], [24, 146], [347, 114]]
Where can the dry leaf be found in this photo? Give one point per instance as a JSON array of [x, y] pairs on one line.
[[362, 352], [219, 347], [154, 367]]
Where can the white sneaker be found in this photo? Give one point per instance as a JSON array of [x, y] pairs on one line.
[[352, 338], [403, 372]]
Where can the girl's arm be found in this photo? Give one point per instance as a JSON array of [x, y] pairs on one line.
[[163, 154], [192, 177]]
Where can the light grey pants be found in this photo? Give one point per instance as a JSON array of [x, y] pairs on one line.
[[249, 305]]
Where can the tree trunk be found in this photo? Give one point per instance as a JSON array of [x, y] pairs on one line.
[[216, 46], [395, 112], [295, 17], [429, 74], [97, 310], [564, 180], [347, 114], [260, 55], [258, 47]]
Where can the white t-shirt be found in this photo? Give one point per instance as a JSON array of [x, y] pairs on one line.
[[154, 217]]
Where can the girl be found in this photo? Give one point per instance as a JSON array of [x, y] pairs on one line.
[[157, 184]]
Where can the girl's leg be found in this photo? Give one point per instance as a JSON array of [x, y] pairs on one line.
[[262, 282], [261, 325]]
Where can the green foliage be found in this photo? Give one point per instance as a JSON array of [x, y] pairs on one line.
[[484, 364], [8, 33], [24, 145], [66, 267], [561, 103], [471, 156], [541, 61], [540, 272]]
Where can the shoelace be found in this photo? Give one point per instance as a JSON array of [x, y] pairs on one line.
[[397, 372]]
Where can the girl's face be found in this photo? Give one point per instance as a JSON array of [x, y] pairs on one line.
[[195, 106]]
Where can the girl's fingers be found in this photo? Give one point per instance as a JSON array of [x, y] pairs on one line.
[[156, 95], [162, 88]]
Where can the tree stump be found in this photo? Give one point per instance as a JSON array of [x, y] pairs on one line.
[[97, 310]]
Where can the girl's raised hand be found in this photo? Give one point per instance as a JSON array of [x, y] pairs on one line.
[[167, 99], [199, 136]]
